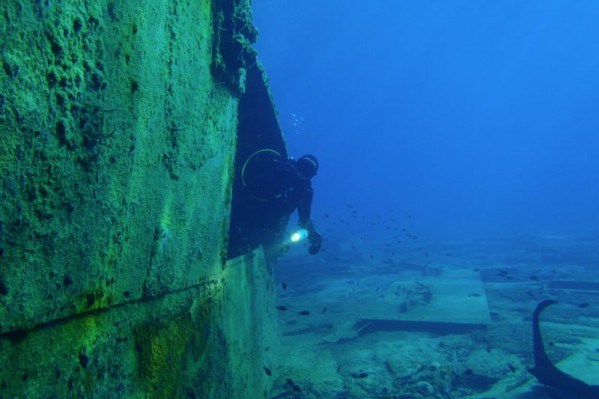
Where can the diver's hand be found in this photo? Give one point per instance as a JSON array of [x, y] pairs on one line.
[[315, 241], [307, 224]]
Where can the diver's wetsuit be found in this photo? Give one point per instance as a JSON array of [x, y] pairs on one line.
[[277, 190], [288, 191]]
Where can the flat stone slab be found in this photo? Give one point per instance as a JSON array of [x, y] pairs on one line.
[[575, 285], [438, 301], [452, 296]]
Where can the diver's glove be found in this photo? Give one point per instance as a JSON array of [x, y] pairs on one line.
[[315, 241], [314, 237]]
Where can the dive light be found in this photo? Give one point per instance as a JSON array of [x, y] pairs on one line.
[[299, 235]]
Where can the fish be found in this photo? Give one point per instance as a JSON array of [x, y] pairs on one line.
[[304, 313], [289, 382], [283, 308], [505, 274], [267, 371], [359, 375], [547, 373], [284, 285], [584, 305]]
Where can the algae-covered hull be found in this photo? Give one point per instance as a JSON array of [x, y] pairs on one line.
[[118, 134]]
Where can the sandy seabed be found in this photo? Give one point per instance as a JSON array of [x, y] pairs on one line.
[[435, 320]]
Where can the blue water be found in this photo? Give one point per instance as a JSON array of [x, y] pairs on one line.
[[450, 134], [462, 119]]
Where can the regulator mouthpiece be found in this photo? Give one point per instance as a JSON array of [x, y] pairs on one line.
[[299, 235]]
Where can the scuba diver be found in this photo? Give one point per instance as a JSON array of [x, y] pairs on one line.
[[277, 186]]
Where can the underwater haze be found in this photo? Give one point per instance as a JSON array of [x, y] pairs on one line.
[[457, 193], [462, 118]]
